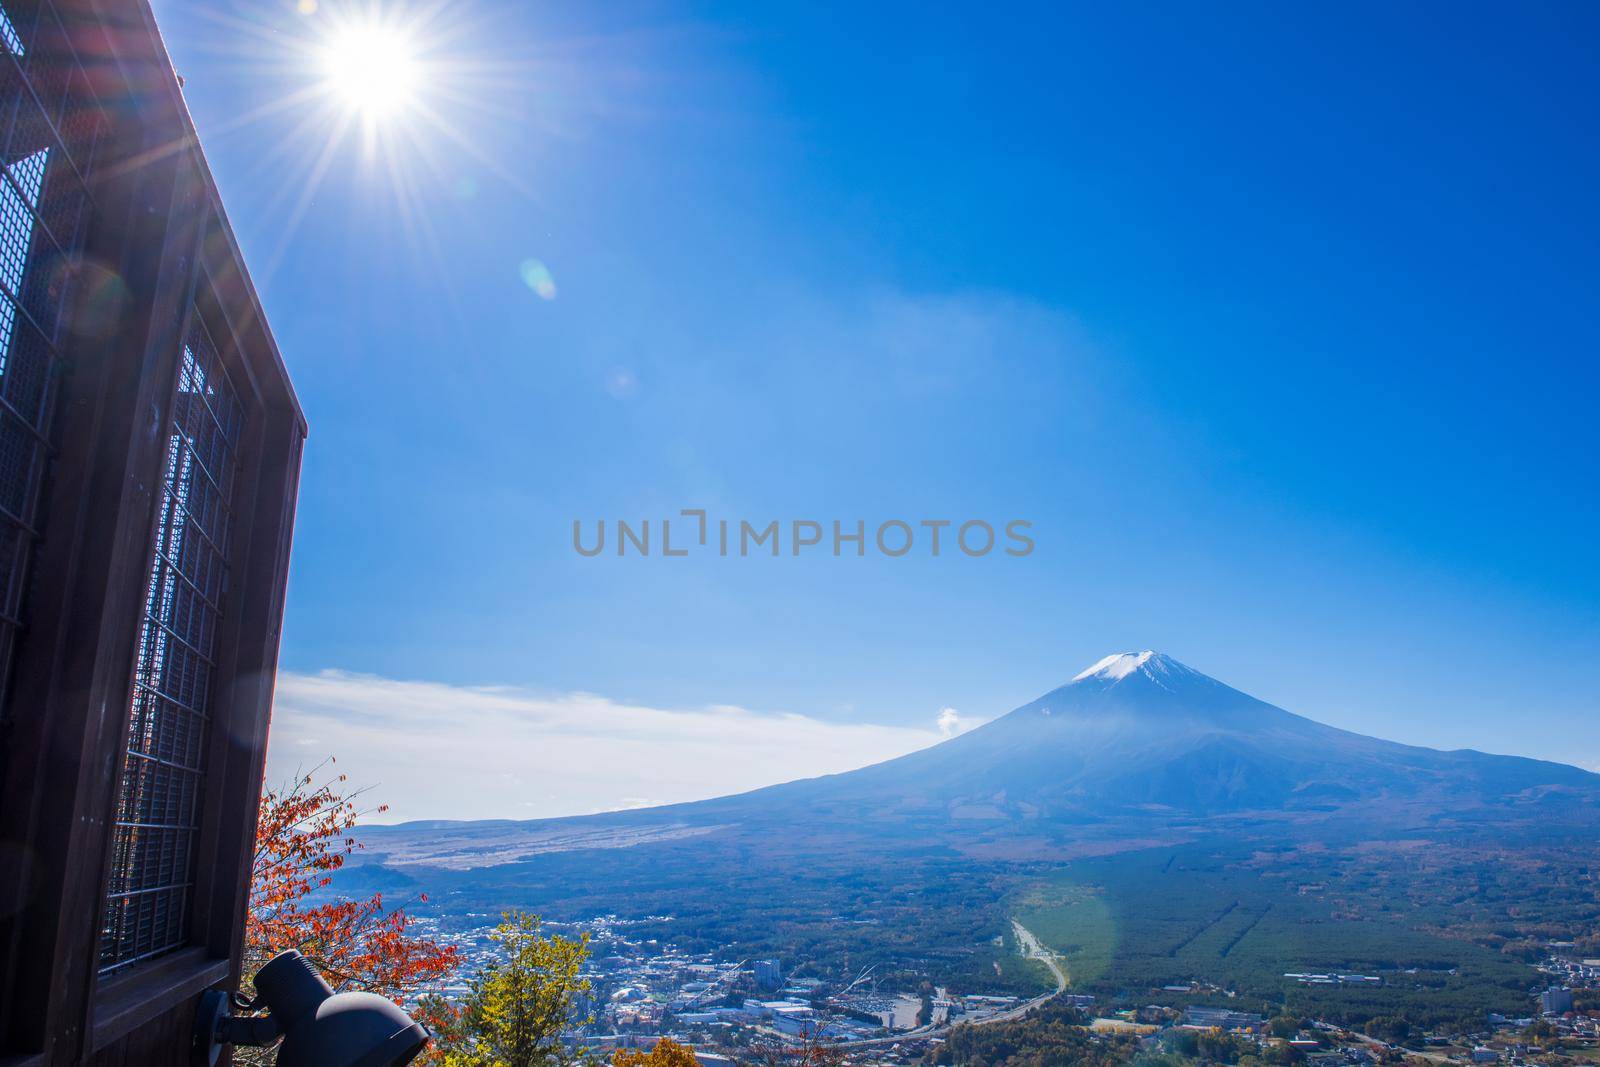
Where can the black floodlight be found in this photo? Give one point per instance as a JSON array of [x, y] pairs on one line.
[[320, 1028]]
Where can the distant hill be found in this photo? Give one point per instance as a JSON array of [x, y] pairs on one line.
[[1137, 747], [1174, 840], [1141, 733]]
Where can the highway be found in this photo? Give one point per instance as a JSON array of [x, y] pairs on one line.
[[1032, 949]]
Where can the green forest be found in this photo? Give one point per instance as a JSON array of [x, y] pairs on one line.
[[1452, 930]]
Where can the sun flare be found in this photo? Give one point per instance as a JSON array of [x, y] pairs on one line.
[[403, 97], [372, 69]]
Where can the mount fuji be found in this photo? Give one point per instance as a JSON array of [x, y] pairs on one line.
[[1137, 746], [1153, 827], [1142, 735]]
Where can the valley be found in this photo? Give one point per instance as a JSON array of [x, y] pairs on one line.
[[1153, 842]]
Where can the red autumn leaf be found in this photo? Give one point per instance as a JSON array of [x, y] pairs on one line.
[[301, 839]]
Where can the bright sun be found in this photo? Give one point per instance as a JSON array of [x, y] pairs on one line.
[[372, 69], [384, 92]]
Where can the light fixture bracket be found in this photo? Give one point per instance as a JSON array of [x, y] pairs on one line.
[[215, 1024], [320, 1028]]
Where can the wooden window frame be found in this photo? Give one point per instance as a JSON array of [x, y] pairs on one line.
[[159, 224]]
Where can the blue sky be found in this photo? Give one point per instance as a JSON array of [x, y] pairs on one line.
[[1278, 324]]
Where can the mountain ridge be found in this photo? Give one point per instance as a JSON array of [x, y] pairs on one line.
[[1142, 731], [1136, 744]]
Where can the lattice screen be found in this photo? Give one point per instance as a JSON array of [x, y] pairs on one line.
[[158, 810]]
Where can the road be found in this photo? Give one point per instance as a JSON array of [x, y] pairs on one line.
[[1032, 949]]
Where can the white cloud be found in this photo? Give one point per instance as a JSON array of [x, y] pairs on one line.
[[435, 751], [949, 722]]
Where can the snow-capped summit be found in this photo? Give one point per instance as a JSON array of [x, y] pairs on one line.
[[1151, 665], [1116, 666], [1119, 665]]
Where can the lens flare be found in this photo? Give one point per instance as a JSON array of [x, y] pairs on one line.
[[371, 68], [537, 276], [405, 98]]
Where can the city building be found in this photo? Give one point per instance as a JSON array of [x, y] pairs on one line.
[[793, 1019], [1555, 1001], [1222, 1019], [769, 973], [150, 447]]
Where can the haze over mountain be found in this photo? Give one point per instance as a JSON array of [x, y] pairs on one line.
[[1136, 745], [1141, 732]]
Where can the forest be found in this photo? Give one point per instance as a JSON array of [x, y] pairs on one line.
[[1451, 929]]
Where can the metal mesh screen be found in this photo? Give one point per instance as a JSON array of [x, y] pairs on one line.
[[49, 131], [158, 809]]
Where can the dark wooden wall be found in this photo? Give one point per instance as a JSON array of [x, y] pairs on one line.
[[159, 1041], [158, 226]]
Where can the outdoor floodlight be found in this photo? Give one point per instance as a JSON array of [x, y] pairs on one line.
[[320, 1028]]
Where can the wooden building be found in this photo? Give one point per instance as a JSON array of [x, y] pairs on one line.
[[150, 447]]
